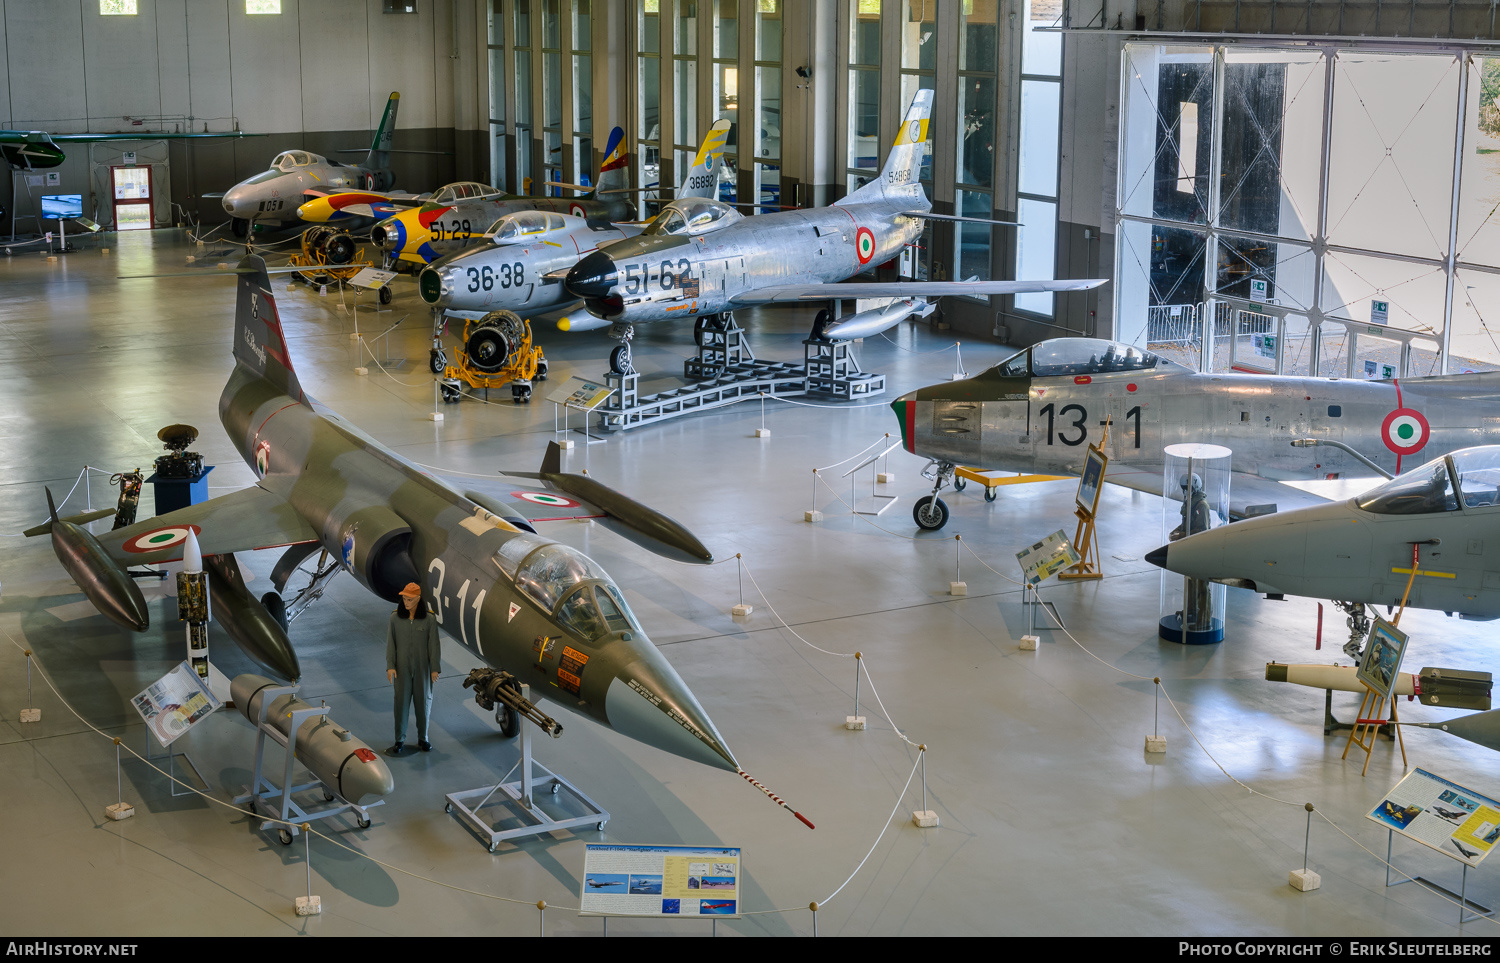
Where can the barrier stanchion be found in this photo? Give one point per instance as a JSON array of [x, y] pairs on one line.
[[30, 713], [308, 905], [1305, 880], [119, 809], [1156, 742], [856, 721]]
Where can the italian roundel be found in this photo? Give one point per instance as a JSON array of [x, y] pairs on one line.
[[160, 538], [576, 210], [864, 245], [1405, 431], [546, 498]]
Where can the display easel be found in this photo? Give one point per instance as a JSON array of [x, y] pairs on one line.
[[1085, 538], [1367, 724]]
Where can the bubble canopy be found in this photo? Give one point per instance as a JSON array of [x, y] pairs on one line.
[[567, 583], [693, 215], [1077, 356], [1468, 478]]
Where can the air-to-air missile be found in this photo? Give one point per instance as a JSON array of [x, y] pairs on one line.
[[700, 258], [1445, 513], [516, 599], [334, 755], [103, 580]]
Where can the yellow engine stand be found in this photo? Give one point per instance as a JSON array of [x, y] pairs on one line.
[[524, 364]]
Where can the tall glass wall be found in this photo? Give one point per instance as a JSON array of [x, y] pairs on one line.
[[1310, 211]]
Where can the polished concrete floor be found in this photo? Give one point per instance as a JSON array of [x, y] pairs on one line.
[[1053, 819]]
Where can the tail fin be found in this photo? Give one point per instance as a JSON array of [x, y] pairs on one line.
[[902, 173], [379, 157], [613, 172], [51, 508], [552, 461], [702, 178], [259, 345]]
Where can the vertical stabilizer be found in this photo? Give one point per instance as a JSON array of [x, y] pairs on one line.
[[702, 178], [259, 345], [902, 175], [613, 174], [380, 156]]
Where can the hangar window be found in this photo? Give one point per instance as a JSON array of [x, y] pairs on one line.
[[262, 6], [117, 8]]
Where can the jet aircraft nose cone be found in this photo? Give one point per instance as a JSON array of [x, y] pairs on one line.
[[650, 703], [593, 277], [1158, 557]]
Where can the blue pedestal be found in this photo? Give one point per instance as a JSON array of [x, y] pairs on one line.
[[1170, 630], [174, 493]]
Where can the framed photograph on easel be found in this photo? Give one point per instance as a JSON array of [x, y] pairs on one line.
[[1085, 541], [1092, 481]]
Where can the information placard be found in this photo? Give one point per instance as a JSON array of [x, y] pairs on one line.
[[1442, 815], [667, 881], [175, 703], [1047, 557], [578, 393]]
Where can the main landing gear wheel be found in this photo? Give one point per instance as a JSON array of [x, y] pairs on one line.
[[239, 226], [930, 513], [276, 606], [619, 359], [386, 297], [699, 326]]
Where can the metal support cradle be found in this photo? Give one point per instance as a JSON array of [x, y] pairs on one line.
[[519, 800]]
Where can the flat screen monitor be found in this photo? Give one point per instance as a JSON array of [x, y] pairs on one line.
[[61, 206]]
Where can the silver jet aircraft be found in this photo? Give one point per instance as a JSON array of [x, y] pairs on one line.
[[521, 267], [701, 258], [273, 196], [1361, 550], [513, 598], [1038, 411]]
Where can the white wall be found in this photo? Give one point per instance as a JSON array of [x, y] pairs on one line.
[[319, 65]]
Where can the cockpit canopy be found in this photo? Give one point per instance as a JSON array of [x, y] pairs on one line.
[[1076, 356], [693, 215], [567, 584], [290, 160], [1470, 476], [523, 224], [464, 191]]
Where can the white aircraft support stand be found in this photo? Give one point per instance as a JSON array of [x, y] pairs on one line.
[[518, 799], [268, 799]]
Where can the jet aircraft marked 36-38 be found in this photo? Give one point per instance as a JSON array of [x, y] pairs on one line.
[[520, 267], [700, 258], [1040, 409], [513, 598]]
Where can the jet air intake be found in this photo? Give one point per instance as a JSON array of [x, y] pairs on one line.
[[374, 545]]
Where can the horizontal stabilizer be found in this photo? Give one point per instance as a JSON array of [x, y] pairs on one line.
[[570, 187], [80, 519]]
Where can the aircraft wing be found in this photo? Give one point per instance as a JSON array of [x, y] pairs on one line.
[[907, 289], [238, 522], [1248, 494], [143, 135]]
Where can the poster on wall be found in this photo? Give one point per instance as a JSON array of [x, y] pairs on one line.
[[663, 881], [1442, 815]]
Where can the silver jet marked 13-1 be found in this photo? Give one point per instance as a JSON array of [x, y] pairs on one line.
[[542, 609], [701, 258], [1040, 409]]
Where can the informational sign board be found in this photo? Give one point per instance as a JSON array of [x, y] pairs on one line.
[[1047, 557], [1258, 289], [1265, 345], [578, 393], [1383, 654], [1380, 312], [129, 157], [1379, 371], [1442, 815], [372, 278], [664, 881], [175, 703], [1090, 482]]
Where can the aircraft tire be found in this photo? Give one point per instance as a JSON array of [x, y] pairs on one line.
[[510, 722], [386, 297], [930, 513], [436, 361], [239, 226], [619, 359]]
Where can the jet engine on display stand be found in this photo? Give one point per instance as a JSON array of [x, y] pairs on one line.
[[497, 350]]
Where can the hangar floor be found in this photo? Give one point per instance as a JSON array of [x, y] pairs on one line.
[[1053, 820]]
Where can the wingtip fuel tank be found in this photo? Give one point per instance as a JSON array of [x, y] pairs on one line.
[[107, 585]]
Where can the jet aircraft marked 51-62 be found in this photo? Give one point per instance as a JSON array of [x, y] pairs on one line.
[[1360, 550], [702, 258], [1039, 410], [507, 594], [273, 196]]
